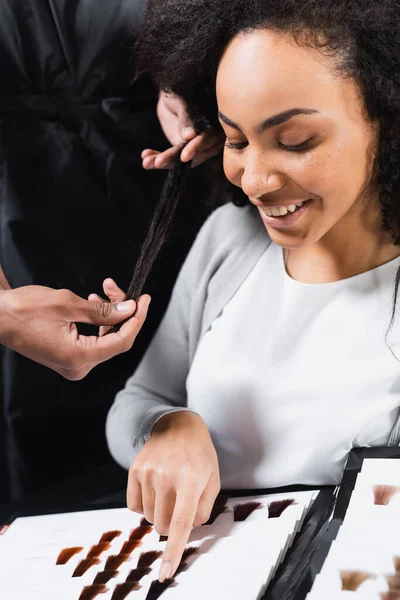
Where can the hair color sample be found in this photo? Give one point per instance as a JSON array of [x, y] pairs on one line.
[[145, 523], [109, 536], [122, 590], [189, 551], [275, 509], [90, 592], [384, 493], [351, 580], [393, 581], [138, 574], [105, 576], [183, 566], [242, 511], [114, 561], [66, 554], [163, 538], [98, 549], [139, 532], [129, 547], [219, 507], [84, 565], [157, 588], [146, 559]]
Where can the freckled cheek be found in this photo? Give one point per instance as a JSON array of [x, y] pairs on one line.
[[232, 169]]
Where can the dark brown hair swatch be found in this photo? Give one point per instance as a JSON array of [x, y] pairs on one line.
[[242, 511], [129, 547], [122, 590], [393, 581], [351, 580], [189, 551], [84, 565], [98, 549], [183, 566], [157, 588], [163, 538], [90, 592], [275, 509], [219, 507], [105, 576], [145, 523], [114, 561], [384, 493], [146, 559], [109, 536], [139, 532], [66, 554], [138, 574]]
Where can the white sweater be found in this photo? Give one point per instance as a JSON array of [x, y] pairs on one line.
[[288, 376]]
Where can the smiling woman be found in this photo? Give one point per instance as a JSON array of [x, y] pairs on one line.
[[272, 360]]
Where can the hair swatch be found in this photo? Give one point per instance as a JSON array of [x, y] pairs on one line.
[[114, 561], [145, 523], [390, 595], [393, 581], [66, 554], [84, 565], [351, 580], [129, 547], [98, 549], [146, 559], [163, 538], [275, 509], [140, 532], [219, 507], [122, 590], [138, 574], [182, 567], [90, 592], [189, 551], [396, 562], [109, 536], [157, 588], [242, 511], [105, 576], [384, 493]]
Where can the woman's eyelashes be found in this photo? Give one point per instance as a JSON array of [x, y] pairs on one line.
[[302, 147]]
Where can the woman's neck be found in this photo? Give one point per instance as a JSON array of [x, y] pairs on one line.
[[352, 247]]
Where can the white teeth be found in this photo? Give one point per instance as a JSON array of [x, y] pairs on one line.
[[275, 211], [291, 208], [281, 211], [300, 204]]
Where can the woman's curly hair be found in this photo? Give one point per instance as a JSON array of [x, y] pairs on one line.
[[182, 42]]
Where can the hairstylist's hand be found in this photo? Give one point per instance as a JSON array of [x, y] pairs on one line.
[[177, 127], [40, 323], [174, 481]]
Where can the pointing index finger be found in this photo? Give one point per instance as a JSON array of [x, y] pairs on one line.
[[180, 529]]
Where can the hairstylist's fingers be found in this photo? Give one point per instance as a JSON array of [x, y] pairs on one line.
[[163, 507], [166, 159], [201, 143], [185, 510], [204, 156], [112, 291], [148, 152], [207, 500], [134, 491]]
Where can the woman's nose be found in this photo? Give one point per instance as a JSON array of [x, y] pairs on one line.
[[257, 182]]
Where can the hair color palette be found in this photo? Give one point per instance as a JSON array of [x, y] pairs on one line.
[[364, 559], [120, 554]]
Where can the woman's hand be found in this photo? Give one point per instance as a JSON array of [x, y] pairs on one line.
[[174, 482], [178, 129]]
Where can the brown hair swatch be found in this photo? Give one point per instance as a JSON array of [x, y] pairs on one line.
[[351, 580], [163, 538], [138, 574], [276, 508], [66, 554], [242, 511], [218, 508], [384, 493], [139, 532], [129, 547], [122, 590], [98, 549], [90, 592], [109, 536], [146, 559], [105, 576], [114, 561], [189, 551], [84, 565]]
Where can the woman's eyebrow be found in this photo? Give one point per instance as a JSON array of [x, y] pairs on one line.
[[272, 121]]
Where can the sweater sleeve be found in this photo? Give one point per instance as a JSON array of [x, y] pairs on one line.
[[158, 386]]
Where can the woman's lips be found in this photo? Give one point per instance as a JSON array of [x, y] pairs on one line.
[[286, 220]]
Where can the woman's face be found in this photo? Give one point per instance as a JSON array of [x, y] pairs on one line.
[[298, 142]]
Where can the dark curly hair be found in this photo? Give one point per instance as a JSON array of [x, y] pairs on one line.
[[182, 42]]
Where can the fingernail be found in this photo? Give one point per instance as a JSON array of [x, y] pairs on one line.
[[165, 571], [124, 307]]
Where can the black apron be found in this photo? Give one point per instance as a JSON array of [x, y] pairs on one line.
[[75, 204]]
